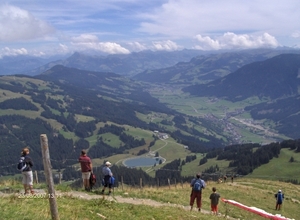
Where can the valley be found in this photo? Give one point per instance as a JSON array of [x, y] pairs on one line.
[[116, 118], [237, 125]]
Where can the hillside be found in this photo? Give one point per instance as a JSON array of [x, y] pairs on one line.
[[208, 67], [115, 118], [122, 64], [102, 112], [275, 82], [155, 202], [273, 78]]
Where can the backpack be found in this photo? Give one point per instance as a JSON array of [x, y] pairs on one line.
[[279, 197], [22, 164], [92, 179], [112, 180], [197, 185]]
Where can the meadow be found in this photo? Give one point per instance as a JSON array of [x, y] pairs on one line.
[[174, 201]]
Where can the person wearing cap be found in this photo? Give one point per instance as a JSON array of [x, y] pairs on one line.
[[279, 199], [197, 193], [107, 177], [86, 169]]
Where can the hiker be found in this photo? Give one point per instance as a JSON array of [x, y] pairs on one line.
[[107, 177], [279, 199], [214, 201], [225, 178], [86, 169], [197, 185], [27, 177]]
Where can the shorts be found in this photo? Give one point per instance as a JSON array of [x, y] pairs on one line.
[[86, 175], [214, 208], [107, 182], [27, 178]]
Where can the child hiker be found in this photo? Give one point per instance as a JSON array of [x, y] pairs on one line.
[[214, 201]]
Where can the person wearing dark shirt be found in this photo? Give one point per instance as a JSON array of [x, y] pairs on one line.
[[107, 177], [27, 177], [279, 199], [86, 169], [214, 200]]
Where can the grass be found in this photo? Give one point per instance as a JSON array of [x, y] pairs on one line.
[[279, 168], [250, 192]]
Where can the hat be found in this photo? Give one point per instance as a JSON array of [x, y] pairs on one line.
[[279, 191], [107, 163]]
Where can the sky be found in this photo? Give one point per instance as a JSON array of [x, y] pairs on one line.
[[59, 27]]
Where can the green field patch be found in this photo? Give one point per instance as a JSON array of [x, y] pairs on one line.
[[193, 167], [280, 168], [111, 139], [83, 118], [171, 150], [68, 135]]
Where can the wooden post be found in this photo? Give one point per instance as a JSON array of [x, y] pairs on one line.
[[59, 177], [36, 177], [181, 184], [157, 182], [122, 183], [49, 177], [169, 183], [141, 183], [175, 184]]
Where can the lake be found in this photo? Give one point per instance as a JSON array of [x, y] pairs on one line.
[[142, 161]]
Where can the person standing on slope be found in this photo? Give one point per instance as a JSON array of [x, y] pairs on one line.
[[86, 169], [27, 172], [214, 200], [197, 185], [279, 199], [107, 177]]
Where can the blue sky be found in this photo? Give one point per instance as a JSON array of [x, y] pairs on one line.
[[43, 28]]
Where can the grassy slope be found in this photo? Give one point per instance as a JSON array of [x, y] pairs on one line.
[[250, 192], [280, 168]]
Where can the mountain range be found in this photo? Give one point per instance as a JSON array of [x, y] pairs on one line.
[[83, 107]]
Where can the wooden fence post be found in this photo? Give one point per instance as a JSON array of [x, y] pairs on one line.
[[59, 177], [49, 178], [36, 177], [122, 183], [175, 184], [169, 183], [141, 183]]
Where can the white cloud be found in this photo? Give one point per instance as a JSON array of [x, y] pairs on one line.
[[89, 41], [186, 18], [17, 25], [12, 52], [236, 41], [165, 45], [206, 43], [64, 48], [85, 38], [296, 34], [136, 46]]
